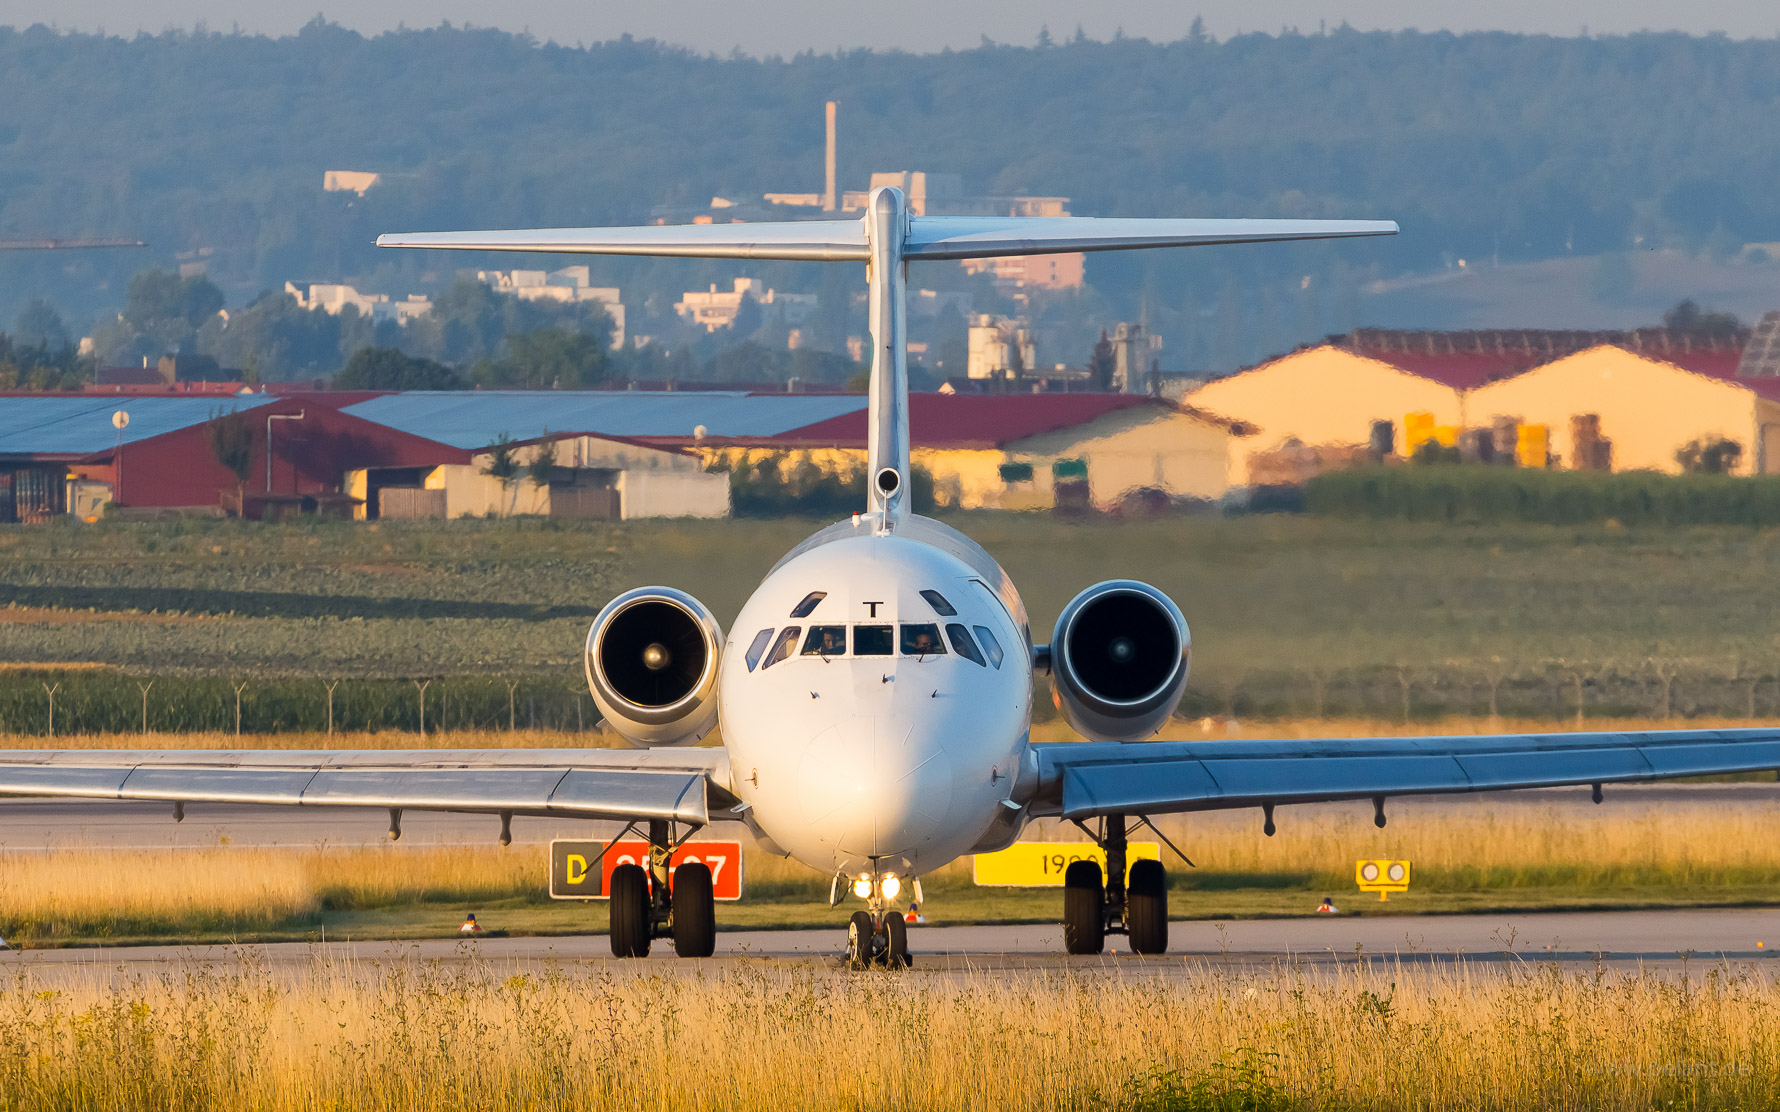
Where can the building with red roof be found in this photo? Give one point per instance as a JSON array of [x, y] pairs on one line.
[[1338, 395], [1648, 404], [1021, 451]]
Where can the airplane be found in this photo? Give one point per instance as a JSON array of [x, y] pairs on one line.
[[875, 691]]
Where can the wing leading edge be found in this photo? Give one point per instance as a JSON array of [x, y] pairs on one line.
[[1080, 780], [682, 786]]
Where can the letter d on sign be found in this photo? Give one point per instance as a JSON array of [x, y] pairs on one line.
[[577, 868]]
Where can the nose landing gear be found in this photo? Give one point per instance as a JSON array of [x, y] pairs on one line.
[[643, 907], [878, 936], [881, 939], [1094, 907]]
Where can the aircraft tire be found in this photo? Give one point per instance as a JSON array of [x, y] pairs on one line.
[[630, 912], [1084, 900], [896, 941], [695, 913], [859, 940], [1146, 908]]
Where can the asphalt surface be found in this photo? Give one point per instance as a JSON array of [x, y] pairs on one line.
[[38, 824], [1693, 938], [1696, 939]]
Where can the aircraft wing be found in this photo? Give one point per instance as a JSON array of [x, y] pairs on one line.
[[929, 237], [1079, 780], [683, 785]]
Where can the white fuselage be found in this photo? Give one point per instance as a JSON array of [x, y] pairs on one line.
[[862, 760]]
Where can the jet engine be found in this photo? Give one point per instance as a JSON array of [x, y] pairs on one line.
[[652, 666], [1119, 659]]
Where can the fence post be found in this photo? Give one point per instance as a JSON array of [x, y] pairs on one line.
[[239, 688], [421, 687], [52, 705], [330, 688], [142, 687]]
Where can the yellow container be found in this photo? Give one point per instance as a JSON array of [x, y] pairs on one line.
[[1447, 436], [1532, 446], [1418, 428]]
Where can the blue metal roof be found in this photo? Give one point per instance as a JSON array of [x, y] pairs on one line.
[[82, 425], [477, 419]]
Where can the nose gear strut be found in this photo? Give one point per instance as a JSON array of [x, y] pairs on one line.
[[878, 935]]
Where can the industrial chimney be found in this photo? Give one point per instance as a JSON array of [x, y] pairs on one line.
[[828, 192]]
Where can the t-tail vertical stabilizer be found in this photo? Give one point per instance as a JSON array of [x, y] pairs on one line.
[[885, 239]]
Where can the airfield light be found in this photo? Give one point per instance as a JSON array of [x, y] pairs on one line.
[[892, 887], [862, 888]]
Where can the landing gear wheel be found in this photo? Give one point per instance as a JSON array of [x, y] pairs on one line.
[[1084, 900], [859, 940], [695, 915], [896, 941], [630, 912], [1146, 908]]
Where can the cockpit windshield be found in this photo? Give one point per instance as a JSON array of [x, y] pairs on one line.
[[783, 647], [757, 647], [874, 640], [921, 639], [826, 641]]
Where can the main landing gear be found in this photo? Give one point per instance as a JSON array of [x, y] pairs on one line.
[[643, 909], [1094, 907]]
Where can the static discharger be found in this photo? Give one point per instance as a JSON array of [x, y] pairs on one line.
[[1383, 877]]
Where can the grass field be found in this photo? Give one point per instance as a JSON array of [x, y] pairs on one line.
[[1291, 615], [1469, 855], [402, 1035]]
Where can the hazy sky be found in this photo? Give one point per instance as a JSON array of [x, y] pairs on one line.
[[787, 26]]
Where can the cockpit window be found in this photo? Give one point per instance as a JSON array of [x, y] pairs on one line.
[[921, 640], [939, 604], [873, 640], [758, 646], [826, 641], [804, 608], [962, 644], [990, 645], [783, 647]]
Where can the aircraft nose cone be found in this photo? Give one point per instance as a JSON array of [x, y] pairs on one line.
[[870, 788]]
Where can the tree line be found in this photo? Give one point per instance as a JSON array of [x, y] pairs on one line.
[[1483, 145]]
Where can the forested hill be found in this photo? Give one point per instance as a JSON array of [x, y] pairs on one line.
[[1485, 144]]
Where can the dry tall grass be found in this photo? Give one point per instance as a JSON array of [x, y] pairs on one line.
[[401, 1035], [93, 893]]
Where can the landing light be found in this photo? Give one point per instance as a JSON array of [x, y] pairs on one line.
[[862, 888], [891, 886]]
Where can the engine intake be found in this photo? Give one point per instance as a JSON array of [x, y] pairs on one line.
[[1120, 654], [651, 661]]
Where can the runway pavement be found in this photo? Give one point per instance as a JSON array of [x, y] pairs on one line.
[[1696, 938]]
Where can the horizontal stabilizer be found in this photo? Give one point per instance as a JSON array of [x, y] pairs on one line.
[[809, 240], [970, 237], [929, 237]]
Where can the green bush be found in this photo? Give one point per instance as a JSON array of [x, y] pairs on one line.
[[1500, 494]]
